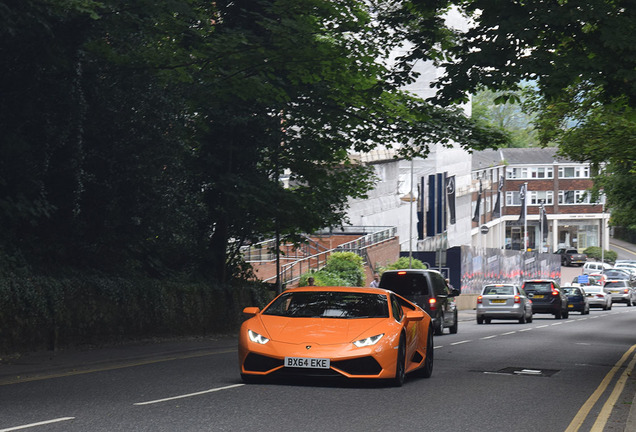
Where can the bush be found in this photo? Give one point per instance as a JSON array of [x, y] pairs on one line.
[[323, 278], [45, 312], [594, 252], [342, 269], [403, 263]]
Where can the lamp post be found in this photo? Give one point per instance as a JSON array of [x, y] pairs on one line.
[[411, 220]]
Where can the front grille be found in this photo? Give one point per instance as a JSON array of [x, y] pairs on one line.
[[260, 363], [358, 366]]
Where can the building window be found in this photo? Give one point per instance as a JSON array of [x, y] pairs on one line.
[[529, 173], [574, 197], [574, 171], [541, 197], [512, 198]]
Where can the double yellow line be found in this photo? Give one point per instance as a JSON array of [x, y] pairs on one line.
[[603, 416]]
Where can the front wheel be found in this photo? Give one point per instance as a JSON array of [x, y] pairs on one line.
[[427, 370], [453, 329], [440, 326], [400, 364]]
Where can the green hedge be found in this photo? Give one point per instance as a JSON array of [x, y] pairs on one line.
[[53, 312], [594, 252]]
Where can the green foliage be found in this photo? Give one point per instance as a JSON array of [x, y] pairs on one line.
[[38, 312], [342, 269], [594, 252], [507, 116], [152, 136], [554, 43], [347, 265], [404, 263], [323, 278]]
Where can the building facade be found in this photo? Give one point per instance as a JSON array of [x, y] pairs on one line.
[[553, 193]]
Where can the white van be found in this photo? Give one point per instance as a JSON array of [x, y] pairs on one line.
[[595, 267]]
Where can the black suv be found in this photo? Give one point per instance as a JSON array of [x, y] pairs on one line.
[[427, 289], [547, 297]]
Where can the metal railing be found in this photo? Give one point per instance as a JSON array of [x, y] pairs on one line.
[[291, 272]]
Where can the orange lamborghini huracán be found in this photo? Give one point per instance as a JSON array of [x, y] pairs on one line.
[[337, 331]]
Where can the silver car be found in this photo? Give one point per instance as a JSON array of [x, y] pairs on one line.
[[597, 297], [621, 291], [503, 301]]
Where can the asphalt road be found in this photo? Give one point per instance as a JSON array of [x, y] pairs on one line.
[[550, 375], [499, 377]]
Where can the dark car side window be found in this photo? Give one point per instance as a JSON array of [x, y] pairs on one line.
[[439, 285], [398, 313]]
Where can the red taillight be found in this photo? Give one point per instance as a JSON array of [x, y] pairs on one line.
[[479, 299], [625, 291], [600, 296], [401, 273], [555, 292], [517, 299], [432, 303]]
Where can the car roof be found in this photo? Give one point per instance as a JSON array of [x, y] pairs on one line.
[[411, 271], [368, 290]]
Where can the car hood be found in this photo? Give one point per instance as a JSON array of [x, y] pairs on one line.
[[322, 331]]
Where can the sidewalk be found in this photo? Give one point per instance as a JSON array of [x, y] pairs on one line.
[[37, 365]]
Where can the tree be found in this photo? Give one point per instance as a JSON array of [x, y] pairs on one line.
[[583, 63], [602, 134], [506, 116], [555, 43], [405, 262], [153, 136]]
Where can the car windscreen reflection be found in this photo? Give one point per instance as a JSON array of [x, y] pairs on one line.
[[328, 304]]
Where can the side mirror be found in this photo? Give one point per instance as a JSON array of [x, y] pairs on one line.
[[251, 311], [416, 315], [454, 292]]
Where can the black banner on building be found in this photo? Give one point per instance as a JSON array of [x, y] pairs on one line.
[[450, 198]]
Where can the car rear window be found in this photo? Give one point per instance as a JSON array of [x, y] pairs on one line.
[[407, 284], [498, 290], [616, 274], [539, 287], [572, 291], [616, 284]]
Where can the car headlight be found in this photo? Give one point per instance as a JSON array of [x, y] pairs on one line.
[[255, 337], [368, 341]]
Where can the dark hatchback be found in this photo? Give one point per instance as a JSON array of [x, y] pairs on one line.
[[577, 299], [547, 297]]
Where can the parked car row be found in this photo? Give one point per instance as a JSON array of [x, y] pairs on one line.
[[509, 301]]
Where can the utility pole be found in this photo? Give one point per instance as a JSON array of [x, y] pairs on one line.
[[525, 219]]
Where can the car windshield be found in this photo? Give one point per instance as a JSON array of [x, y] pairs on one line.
[[498, 290], [329, 304], [539, 287], [572, 291]]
